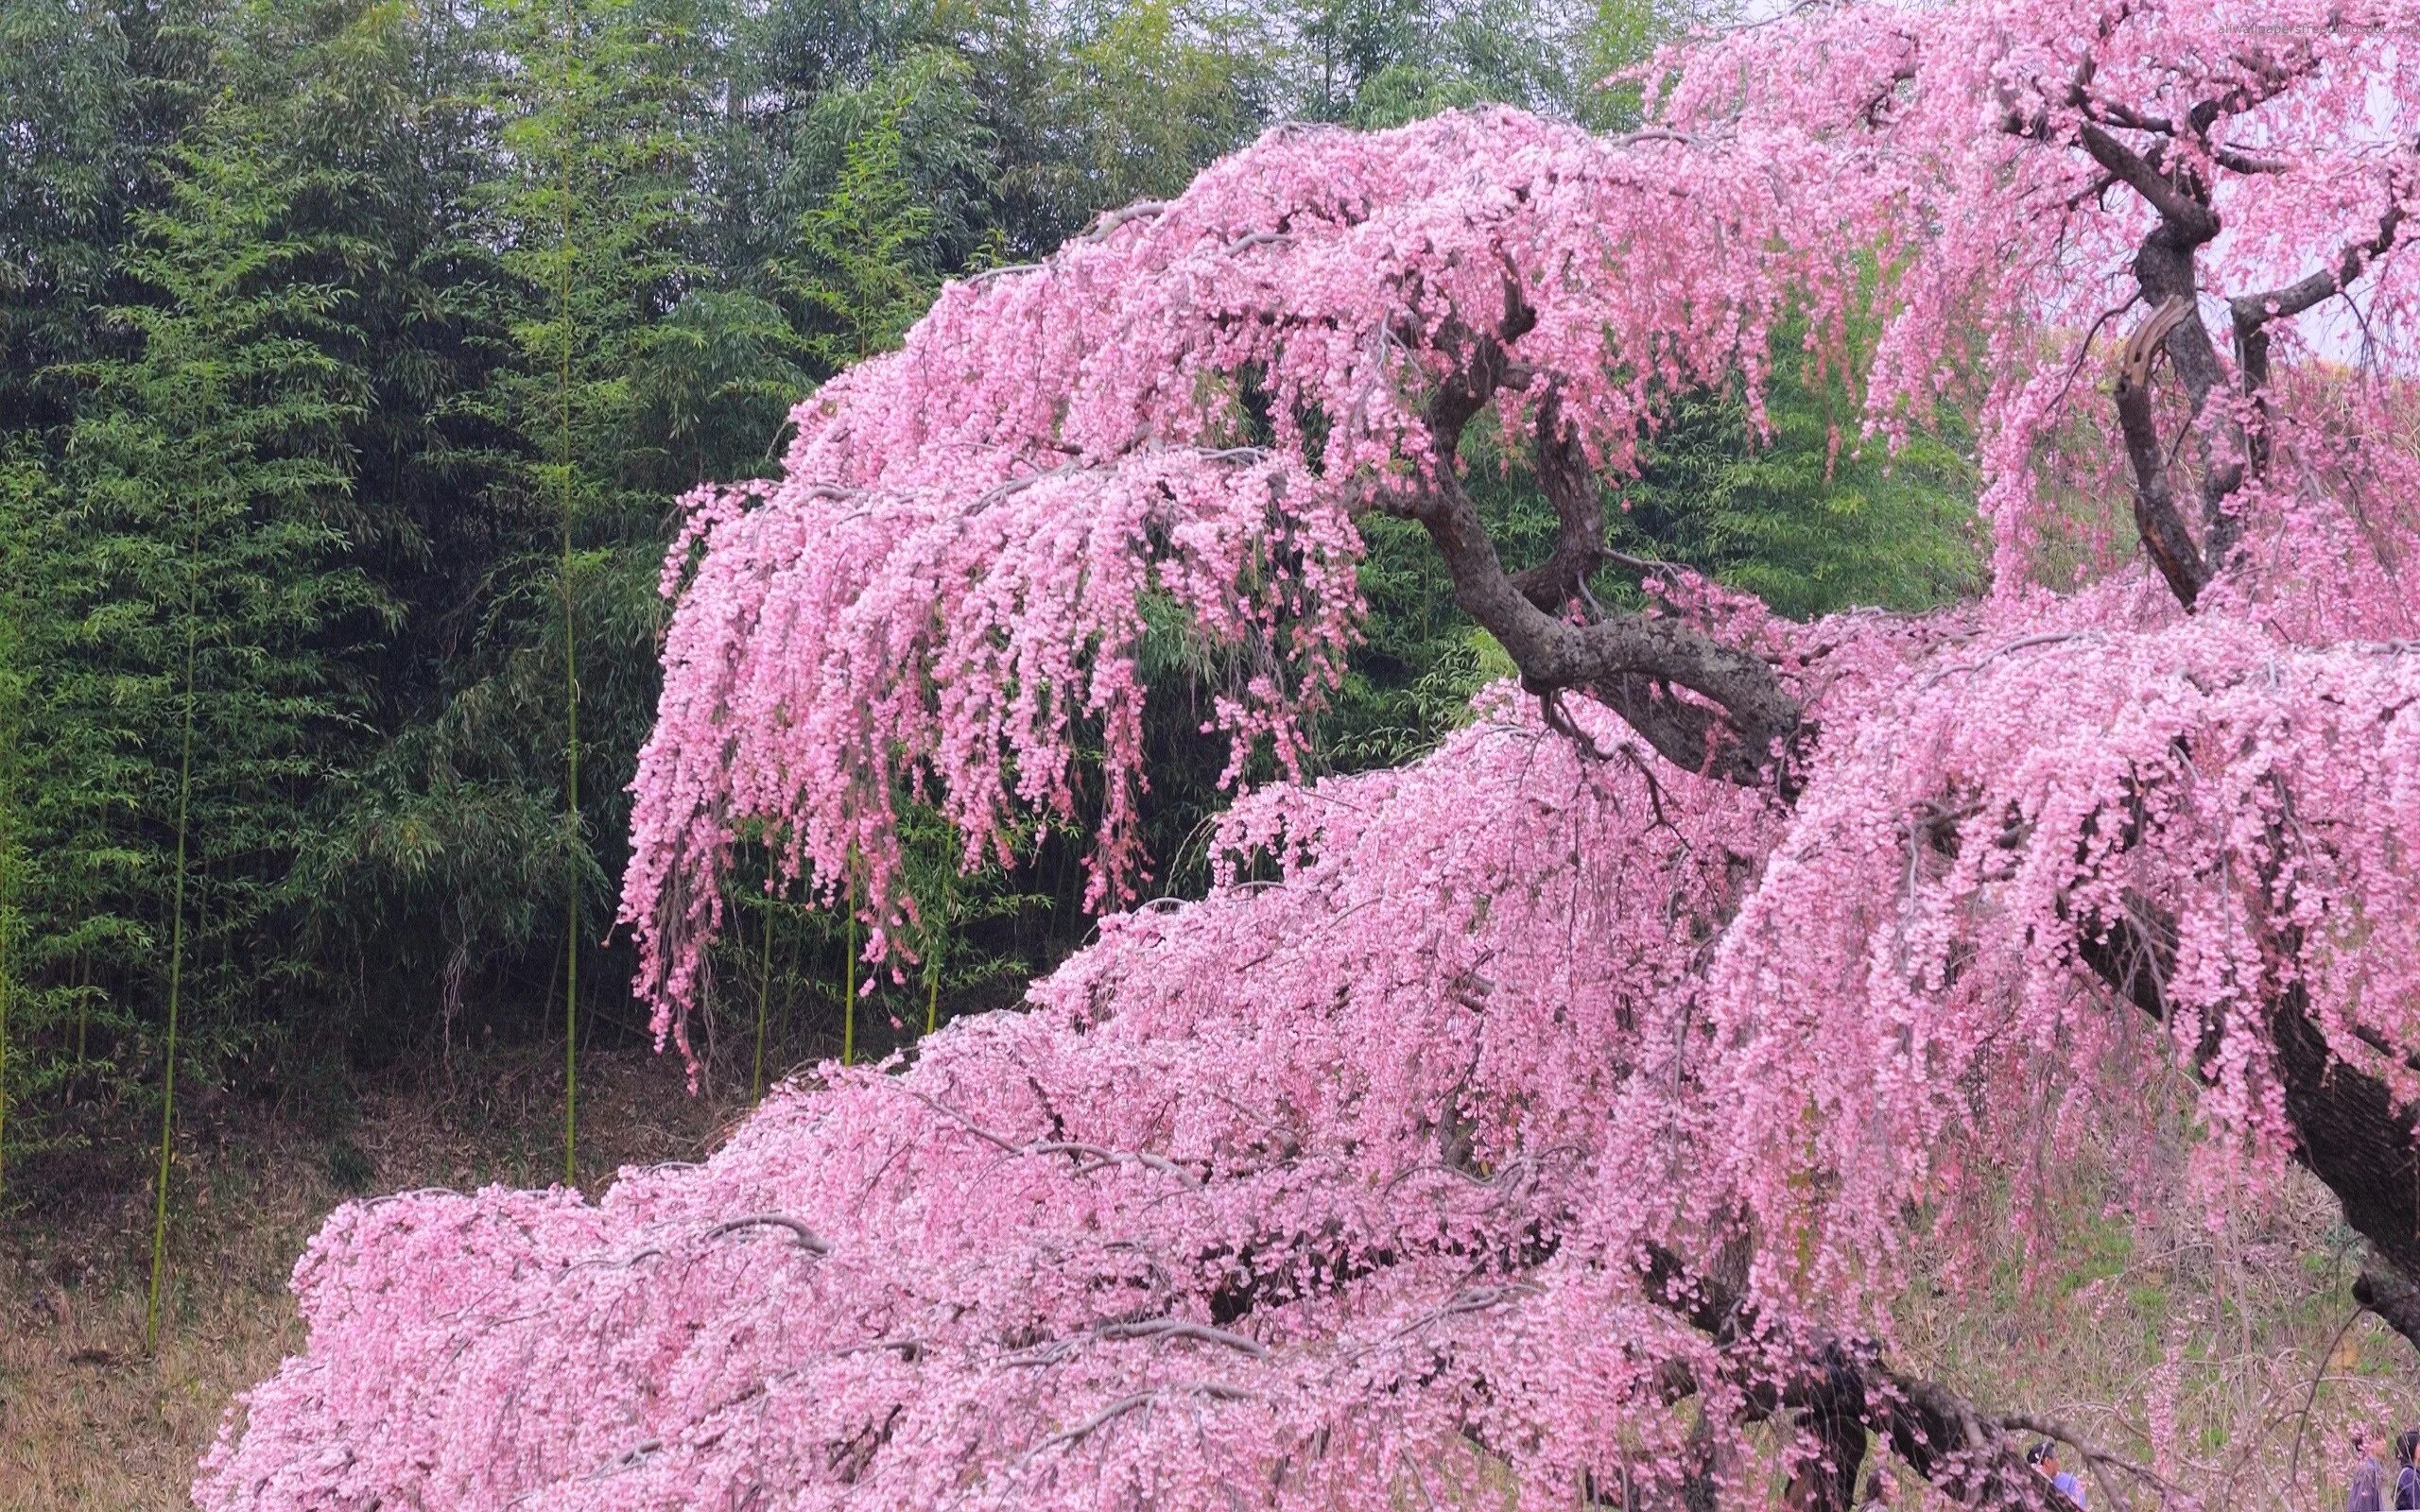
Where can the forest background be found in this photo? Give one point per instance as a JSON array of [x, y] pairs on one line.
[[353, 354]]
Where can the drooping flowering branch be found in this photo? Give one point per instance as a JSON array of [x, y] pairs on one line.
[[1440, 1146]]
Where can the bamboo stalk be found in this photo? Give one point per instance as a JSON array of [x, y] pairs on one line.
[[935, 953], [176, 982], [7, 927], [8, 932], [571, 678], [787, 1034], [849, 986], [764, 996], [939, 947]]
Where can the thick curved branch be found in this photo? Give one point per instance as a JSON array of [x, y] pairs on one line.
[[2179, 209], [2350, 1131], [1628, 662], [2252, 311], [1553, 584], [1748, 722], [2170, 546], [2165, 271]]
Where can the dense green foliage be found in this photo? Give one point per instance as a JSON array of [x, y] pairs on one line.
[[351, 352]]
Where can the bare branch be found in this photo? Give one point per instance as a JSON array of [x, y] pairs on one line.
[[1652, 134], [985, 275], [1470, 1299], [2270, 77], [1213, 1390], [1100, 229], [2022, 642], [1054, 1352], [1175, 1328], [2252, 311], [1100, 1155], [2097, 1458], [799, 1232], [1110, 220]]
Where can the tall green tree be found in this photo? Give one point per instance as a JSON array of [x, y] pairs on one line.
[[1092, 105], [199, 542], [1800, 510], [198, 531], [17, 473], [504, 787], [1383, 62], [863, 269]]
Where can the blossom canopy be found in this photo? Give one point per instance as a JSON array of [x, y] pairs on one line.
[[1561, 1112]]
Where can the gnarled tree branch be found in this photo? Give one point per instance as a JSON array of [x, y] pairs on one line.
[[1748, 722], [2165, 272]]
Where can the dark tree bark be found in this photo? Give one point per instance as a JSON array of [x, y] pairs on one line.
[[1834, 1391]]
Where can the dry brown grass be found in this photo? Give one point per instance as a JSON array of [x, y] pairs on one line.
[[90, 1423]]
